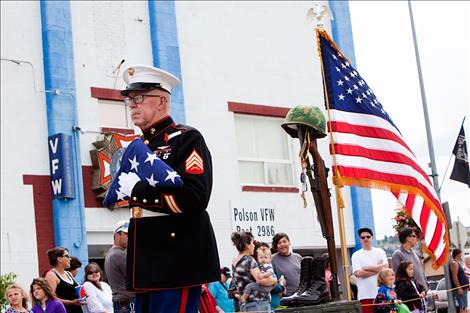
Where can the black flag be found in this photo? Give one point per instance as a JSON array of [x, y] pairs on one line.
[[461, 171]]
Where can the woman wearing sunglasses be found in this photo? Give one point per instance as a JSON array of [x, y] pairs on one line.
[[61, 280], [405, 253], [99, 295]]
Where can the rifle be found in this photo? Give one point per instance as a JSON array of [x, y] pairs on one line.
[[321, 197]]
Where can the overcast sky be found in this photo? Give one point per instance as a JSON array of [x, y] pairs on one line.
[[385, 58]]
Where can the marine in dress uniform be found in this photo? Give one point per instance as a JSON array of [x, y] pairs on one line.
[[172, 249]]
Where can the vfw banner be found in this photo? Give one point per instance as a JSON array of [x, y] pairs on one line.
[[258, 218]]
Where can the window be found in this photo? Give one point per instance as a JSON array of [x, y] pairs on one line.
[[264, 157], [114, 114]]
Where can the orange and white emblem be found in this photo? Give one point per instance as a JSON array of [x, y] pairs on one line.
[[194, 163]]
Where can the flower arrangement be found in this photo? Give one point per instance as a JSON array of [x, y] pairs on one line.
[[402, 219]]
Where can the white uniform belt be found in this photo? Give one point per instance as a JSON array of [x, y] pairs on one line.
[[147, 213]]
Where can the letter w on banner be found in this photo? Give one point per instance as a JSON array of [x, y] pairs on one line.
[[369, 151]]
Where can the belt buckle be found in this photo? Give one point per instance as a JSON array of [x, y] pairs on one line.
[[137, 212]]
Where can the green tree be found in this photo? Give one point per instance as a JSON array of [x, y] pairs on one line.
[[5, 281]]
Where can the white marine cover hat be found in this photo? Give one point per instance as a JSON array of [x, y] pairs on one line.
[[145, 78]]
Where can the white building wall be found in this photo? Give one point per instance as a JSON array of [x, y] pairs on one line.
[[23, 135], [104, 33], [249, 52]]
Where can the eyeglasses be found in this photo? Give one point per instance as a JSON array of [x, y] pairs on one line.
[[365, 237], [67, 256], [138, 99], [93, 272], [412, 235]]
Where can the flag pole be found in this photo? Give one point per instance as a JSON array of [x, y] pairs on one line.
[[445, 173], [450, 159], [336, 180], [434, 174]]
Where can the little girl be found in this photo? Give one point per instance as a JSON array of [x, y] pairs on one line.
[[17, 299], [44, 298], [407, 288], [386, 298]]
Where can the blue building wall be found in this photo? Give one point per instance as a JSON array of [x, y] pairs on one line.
[[165, 49], [61, 107], [342, 34]]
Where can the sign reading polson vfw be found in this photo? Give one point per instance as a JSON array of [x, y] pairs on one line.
[[61, 166], [259, 219]]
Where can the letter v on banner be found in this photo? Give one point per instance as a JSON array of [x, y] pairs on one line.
[[61, 166]]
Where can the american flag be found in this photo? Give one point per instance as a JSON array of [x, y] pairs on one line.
[[138, 163], [369, 151]]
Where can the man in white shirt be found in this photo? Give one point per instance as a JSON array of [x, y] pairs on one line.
[[366, 264]]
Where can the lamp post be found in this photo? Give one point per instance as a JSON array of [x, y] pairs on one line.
[[434, 175]]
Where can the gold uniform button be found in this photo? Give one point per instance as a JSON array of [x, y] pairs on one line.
[[144, 200], [146, 141], [134, 198], [173, 235], [156, 201], [152, 131]]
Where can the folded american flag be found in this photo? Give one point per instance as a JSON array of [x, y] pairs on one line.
[[139, 163], [369, 150]]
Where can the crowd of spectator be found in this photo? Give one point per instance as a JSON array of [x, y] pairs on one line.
[[58, 291], [260, 275]]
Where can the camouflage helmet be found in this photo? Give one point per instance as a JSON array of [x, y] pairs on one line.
[[308, 115]]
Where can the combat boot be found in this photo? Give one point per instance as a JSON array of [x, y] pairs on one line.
[[305, 281], [317, 292]]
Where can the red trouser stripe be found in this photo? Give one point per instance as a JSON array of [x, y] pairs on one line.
[[184, 300]]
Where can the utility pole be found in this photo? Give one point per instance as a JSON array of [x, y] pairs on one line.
[[451, 306]]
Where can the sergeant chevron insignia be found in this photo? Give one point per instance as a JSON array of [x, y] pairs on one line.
[[194, 163]]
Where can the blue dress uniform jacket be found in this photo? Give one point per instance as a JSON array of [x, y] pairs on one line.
[[178, 250]]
